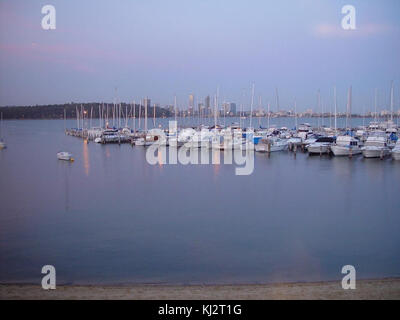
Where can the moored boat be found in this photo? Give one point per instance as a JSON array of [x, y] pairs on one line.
[[321, 145], [375, 147], [346, 146], [271, 145], [66, 156], [396, 151]]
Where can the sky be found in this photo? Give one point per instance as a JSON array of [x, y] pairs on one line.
[[162, 48]]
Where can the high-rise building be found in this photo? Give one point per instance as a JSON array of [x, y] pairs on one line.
[[225, 108], [207, 106], [191, 101], [232, 108], [229, 108]]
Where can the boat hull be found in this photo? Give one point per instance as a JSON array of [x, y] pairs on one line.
[[262, 147], [318, 149], [375, 153], [342, 151], [65, 156], [396, 154]]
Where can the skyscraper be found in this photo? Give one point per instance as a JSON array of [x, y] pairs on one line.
[[207, 105], [191, 103], [232, 108]]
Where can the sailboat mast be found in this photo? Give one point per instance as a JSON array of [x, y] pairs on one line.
[[251, 105], [215, 111], [175, 108], [154, 115], [77, 117], [376, 104], [145, 114], [91, 116], [224, 108], [82, 117], [241, 108], [134, 117], [140, 113], [322, 113], [119, 115], [126, 115], [391, 102], [319, 107], [349, 106], [216, 101], [335, 101]]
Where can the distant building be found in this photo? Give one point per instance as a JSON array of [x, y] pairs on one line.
[[232, 108], [229, 108], [146, 101], [200, 108], [207, 105], [170, 108], [191, 101]]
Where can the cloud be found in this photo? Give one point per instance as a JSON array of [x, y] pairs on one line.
[[362, 30]]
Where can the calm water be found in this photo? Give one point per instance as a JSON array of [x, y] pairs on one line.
[[110, 217]]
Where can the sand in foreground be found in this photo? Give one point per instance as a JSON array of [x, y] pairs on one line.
[[366, 289]]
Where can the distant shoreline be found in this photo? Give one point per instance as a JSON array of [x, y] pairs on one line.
[[388, 288], [96, 110]]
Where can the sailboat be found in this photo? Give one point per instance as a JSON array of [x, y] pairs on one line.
[[345, 145], [63, 155], [2, 143]]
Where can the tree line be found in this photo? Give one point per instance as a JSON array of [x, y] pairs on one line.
[[56, 111]]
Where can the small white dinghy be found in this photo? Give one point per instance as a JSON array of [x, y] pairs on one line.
[[2, 145], [66, 156]]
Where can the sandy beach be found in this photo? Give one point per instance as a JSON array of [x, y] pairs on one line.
[[366, 289]]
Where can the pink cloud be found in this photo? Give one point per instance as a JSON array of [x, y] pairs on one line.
[[364, 30]]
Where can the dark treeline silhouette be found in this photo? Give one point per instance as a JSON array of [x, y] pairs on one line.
[[56, 111]]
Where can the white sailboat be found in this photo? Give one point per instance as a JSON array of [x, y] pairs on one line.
[[63, 155]]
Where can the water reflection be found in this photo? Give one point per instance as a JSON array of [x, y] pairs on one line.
[[86, 164], [292, 219]]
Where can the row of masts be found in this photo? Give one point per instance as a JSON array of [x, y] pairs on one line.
[[118, 115]]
